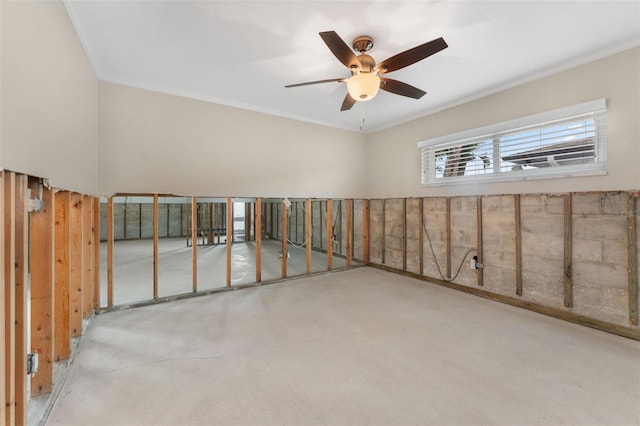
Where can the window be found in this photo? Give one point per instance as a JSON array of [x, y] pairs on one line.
[[566, 142]]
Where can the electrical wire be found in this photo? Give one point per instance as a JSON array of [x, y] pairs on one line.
[[433, 254]]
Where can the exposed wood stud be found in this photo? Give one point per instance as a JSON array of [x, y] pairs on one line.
[[155, 246], [421, 233], [329, 234], [322, 223], [633, 267], [349, 232], [480, 271], [568, 233], [87, 257], [62, 272], [76, 267], [308, 226], [365, 230], [271, 221], [21, 295], [448, 221], [257, 234], [383, 231], [42, 284], [284, 239], [518, 218], [404, 234], [7, 297], [229, 226], [110, 252], [247, 221], [96, 253], [194, 243]]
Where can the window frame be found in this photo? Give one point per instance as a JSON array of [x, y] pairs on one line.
[[597, 107]]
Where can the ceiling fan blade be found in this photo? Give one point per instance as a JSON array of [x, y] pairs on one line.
[[411, 56], [337, 80], [340, 49], [347, 103], [400, 88]]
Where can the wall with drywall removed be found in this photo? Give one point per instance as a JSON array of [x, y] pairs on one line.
[[151, 142], [570, 253], [49, 97], [393, 160]]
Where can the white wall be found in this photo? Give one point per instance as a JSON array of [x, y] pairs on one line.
[[152, 142], [393, 160], [49, 97]]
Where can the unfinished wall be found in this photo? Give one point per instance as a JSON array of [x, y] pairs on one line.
[[393, 160], [568, 254], [49, 97]]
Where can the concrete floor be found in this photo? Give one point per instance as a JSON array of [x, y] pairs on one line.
[[359, 347], [133, 267]]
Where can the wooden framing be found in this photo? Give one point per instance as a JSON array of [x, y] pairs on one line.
[[156, 248], [62, 332], [404, 234], [568, 233], [308, 227], [247, 221], [366, 214], [421, 238], [349, 232], [283, 265], [480, 272], [448, 220], [7, 298], [42, 285], [95, 207], [329, 234], [257, 234], [632, 256], [110, 252], [76, 268], [21, 294], [383, 231], [229, 238], [518, 219], [87, 257], [194, 244]]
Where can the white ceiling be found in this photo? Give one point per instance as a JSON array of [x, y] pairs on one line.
[[242, 53]]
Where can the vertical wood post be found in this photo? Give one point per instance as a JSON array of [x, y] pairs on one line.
[[257, 234], [421, 248], [87, 257], [284, 240], [568, 233], [329, 234], [7, 298], [247, 221], [349, 232], [194, 243], [155, 245], [404, 234], [308, 226], [366, 215], [42, 284], [21, 320], [62, 273], [383, 226], [110, 252], [96, 253], [448, 219], [633, 268], [229, 226], [480, 271], [76, 252], [516, 201]]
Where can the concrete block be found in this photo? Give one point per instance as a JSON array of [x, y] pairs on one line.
[[587, 250], [599, 275], [615, 251], [543, 224], [614, 204], [586, 204], [600, 228], [553, 204], [531, 204]]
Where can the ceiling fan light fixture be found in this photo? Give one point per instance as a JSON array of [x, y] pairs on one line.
[[363, 86]]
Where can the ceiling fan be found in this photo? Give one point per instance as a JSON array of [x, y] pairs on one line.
[[366, 77]]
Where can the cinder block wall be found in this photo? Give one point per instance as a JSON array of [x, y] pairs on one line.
[[574, 257]]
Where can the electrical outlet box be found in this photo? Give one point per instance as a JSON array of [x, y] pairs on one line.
[[32, 363]]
